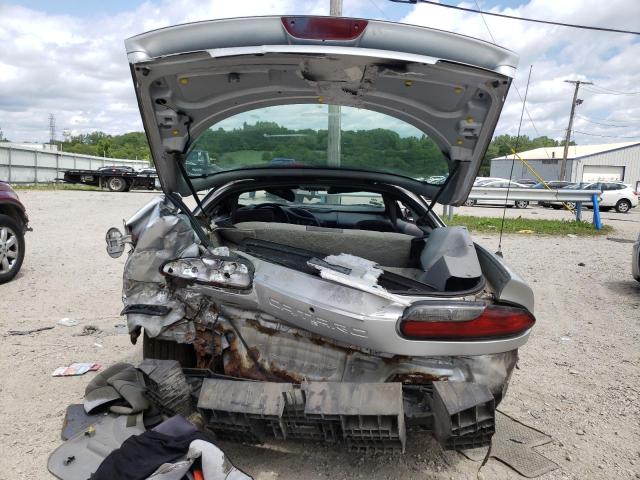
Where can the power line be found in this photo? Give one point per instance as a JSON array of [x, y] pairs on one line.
[[486, 24], [375, 5], [614, 91], [586, 119], [533, 124], [626, 120], [604, 136], [604, 91], [524, 19]]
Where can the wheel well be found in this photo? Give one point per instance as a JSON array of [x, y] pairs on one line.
[[13, 212]]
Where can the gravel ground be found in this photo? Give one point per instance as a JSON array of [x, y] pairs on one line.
[[578, 377]]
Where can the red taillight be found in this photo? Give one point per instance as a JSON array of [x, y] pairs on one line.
[[324, 28], [495, 321]]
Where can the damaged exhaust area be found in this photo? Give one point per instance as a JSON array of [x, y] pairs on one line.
[[289, 355]]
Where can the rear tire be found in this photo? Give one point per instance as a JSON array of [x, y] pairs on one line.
[[521, 204], [469, 203], [168, 350], [117, 184], [623, 206], [11, 247]]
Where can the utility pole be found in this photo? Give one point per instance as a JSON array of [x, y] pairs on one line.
[[567, 140], [334, 121], [52, 128]]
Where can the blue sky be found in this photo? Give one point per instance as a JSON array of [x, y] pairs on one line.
[[66, 57], [80, 8], [88, 8]]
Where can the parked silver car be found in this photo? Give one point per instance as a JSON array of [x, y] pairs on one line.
[[341, 319], [500, 183]]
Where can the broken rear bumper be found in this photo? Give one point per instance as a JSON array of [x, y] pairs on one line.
[[370, 417]]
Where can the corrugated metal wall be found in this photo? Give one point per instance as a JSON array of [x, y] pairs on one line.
[[628, 157], [548, 170], [28, 165]]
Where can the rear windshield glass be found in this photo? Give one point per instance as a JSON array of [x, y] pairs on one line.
[[308, 196], [303, 136]]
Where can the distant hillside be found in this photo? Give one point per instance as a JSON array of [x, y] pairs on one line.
[[267, 140], [128, 145]]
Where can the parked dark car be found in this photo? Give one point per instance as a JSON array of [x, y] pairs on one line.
[[13, 225], [554, 184], [526, 181]]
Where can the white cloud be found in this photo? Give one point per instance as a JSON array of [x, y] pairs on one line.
[[76, 68], [559, 53]]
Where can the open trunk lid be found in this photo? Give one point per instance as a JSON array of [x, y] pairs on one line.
[[449, 86]]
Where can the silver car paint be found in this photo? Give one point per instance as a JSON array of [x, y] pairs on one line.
[[333, 311], [221, 73]]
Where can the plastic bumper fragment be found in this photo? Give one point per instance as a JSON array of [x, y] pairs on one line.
[[167, 386], [366, 417], [463, 414]]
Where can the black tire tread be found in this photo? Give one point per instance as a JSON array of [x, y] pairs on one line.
[[18, 228], [623, 200], [124, 189]]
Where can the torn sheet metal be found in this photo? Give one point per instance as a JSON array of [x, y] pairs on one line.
[[160, 235], [256, 346], [156, 294], [167, 238]]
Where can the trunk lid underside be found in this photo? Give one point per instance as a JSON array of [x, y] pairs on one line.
[[189, 77]]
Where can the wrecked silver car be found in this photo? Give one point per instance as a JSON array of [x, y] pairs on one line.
[[309, 278]]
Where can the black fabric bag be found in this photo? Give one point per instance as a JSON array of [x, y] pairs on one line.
[[140, 455]]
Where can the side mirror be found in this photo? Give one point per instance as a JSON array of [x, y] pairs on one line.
[[115, 242]]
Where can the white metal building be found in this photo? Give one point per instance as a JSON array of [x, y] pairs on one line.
[[20, 164], [585, 163]]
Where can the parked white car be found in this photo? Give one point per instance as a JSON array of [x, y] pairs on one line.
[[616, 195], [482, 180], [498, 183]]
